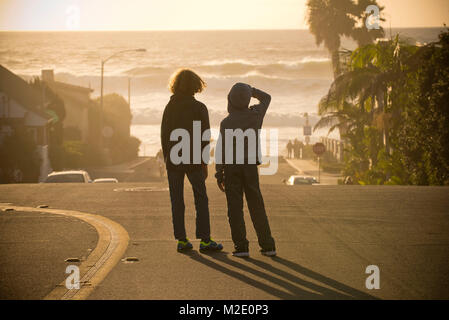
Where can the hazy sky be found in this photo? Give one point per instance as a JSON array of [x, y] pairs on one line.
[[193, 14]]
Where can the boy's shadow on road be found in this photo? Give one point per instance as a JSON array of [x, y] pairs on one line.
[[296, 287]]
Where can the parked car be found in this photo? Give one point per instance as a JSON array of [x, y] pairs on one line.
[[301, 180], [75, 176], [106, 180]]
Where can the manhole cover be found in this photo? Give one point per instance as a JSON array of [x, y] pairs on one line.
[[142, 189]]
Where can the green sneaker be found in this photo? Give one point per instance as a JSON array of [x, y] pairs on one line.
[[210, 246], [184, 245]]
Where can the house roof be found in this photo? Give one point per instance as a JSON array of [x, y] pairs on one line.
[[67, 86], [18, 89], [62, 88]]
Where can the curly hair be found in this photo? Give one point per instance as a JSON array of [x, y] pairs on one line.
[[187, 82]]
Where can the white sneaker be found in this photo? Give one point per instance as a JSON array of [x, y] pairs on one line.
[[241, 254], [271, 253]]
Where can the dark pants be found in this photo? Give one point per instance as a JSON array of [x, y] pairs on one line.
[[241, 179], [176, 185]]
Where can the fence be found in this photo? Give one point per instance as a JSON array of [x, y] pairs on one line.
[[335, 147]]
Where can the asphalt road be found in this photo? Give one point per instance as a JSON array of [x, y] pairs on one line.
[[326, 237]]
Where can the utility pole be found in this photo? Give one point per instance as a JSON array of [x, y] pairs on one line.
[[102, 85], [129, 92], [101, 118]]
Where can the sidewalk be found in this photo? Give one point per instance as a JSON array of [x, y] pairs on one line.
[[141, 169]]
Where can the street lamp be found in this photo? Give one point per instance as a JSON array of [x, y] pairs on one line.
[[102, 74]]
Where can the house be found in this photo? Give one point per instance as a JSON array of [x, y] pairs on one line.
[[22, 106], [81, 110]]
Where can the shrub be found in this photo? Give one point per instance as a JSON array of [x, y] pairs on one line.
[[19, 155]]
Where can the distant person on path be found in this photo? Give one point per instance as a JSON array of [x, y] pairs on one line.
[[160, 162], [296, 149], [289, 149], [238, 179], [180, 113], [159, 154]]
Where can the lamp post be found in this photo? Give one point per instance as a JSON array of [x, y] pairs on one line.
[[102, 75]]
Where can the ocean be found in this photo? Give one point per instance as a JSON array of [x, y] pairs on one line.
[[285, 63]]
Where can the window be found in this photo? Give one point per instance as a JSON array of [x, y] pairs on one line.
[[63, 178]]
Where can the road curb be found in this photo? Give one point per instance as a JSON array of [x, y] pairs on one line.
[[112, 243]]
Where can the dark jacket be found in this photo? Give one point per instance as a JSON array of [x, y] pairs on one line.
[[241, 117], [180, 113]]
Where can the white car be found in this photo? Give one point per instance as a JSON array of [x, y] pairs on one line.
[[301, 180], [75, 176], [106, 180]]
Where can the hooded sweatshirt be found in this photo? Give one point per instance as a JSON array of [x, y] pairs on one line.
[[243, 117]]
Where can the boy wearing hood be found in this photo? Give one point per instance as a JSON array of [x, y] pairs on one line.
[[237, 172]]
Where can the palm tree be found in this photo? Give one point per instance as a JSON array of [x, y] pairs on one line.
[[329, 20], [360, 33], [344, 118], [361, 101]]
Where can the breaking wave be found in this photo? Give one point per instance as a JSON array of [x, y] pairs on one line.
[[305, 67]]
